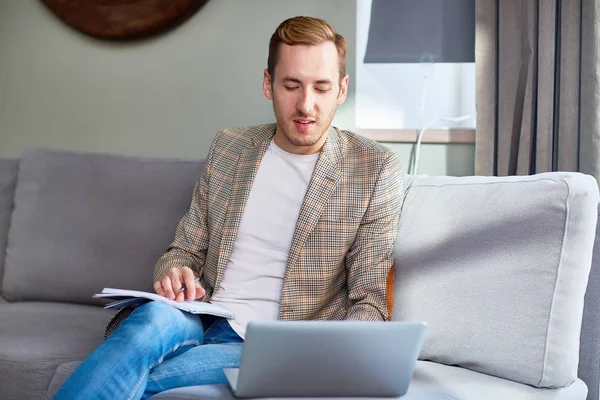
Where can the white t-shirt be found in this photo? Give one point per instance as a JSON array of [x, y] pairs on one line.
[[253, 279]]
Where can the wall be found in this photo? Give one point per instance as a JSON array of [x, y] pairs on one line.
[[166, 96]]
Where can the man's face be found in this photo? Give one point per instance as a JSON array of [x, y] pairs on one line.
[[305, 91]]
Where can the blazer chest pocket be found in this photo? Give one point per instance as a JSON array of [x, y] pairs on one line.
[[347, 213], [338, 233]]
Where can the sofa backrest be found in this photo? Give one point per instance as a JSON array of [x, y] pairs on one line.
[[8, 182], [83, 222], [498, 268]]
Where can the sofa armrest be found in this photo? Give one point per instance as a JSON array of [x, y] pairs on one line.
[[9, 169], [589, 350]]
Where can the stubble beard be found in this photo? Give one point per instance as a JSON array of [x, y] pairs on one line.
[[303, 141]]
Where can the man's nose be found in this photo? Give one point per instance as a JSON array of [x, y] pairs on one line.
[[306, 102]]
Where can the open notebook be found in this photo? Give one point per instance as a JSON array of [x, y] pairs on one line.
[[127, 297]]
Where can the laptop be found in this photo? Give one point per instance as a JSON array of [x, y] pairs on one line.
[[327, 359]]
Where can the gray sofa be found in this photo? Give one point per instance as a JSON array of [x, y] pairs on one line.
[[497, 267]]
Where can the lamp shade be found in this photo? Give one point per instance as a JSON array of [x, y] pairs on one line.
[[409, 31]]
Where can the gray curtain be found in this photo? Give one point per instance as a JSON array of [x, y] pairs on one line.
[[538, 86]]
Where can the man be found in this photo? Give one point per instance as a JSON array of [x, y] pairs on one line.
[[294, 221]]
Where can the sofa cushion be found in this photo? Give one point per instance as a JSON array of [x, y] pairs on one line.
[[430, 382], [8, 181], [464, 384], [222, 392], [37, 337], [83, 222], [62, 372], [498, 267]]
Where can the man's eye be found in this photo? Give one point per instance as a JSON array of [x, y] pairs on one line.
[[291, 88], [322, 90]]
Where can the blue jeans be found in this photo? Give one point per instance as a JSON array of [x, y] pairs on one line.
[[156, 348]]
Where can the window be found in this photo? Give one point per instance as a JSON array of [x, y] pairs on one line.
[[415, 66]]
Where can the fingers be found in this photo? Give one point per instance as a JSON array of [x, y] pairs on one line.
[[175, 276], [158, 289], [188, 280], [169, 286], [200, 292]]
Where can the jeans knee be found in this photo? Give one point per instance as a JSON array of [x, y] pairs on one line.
[[158, 313], [147, 321], [158, 329]]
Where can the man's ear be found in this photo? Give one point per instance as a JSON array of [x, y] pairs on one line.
[[267, 85], [343, 90]]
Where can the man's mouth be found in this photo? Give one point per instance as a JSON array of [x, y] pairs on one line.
[[304, 121], [303, 124]]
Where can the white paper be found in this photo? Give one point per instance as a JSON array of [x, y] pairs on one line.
[[194, 307]]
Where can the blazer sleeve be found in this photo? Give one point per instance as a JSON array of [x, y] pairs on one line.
[[189, 247], [370, 257]]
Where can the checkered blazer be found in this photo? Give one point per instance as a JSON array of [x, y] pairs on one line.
[[341, 250]]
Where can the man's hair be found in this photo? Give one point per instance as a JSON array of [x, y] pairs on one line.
[[307, 31]]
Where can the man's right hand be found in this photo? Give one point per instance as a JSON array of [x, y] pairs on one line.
[[174, 280]]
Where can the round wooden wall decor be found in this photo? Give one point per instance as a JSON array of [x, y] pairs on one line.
[[123, 19]]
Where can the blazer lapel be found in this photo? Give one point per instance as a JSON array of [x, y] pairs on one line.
[[246, 169], [324, 179]]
